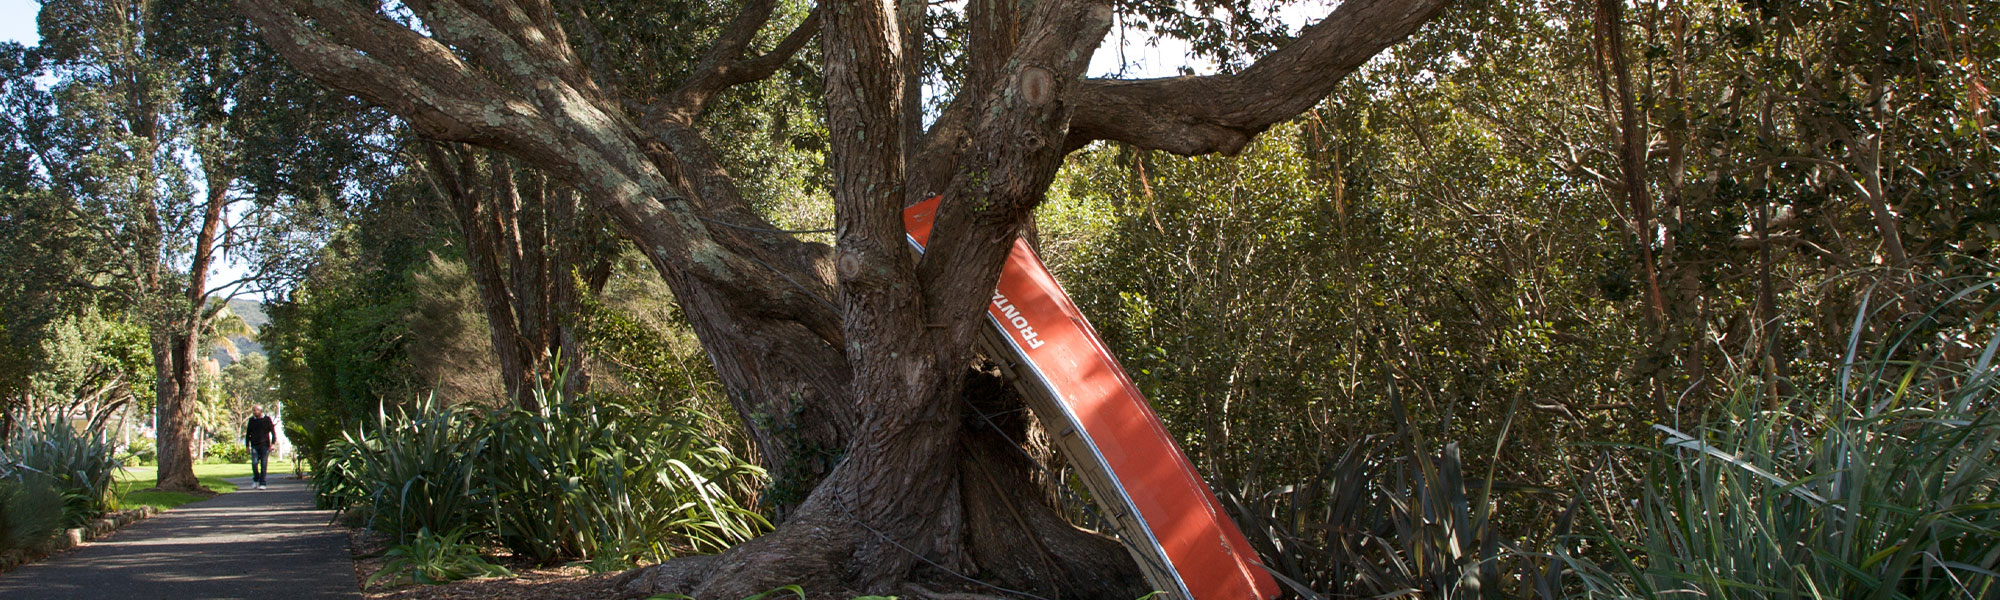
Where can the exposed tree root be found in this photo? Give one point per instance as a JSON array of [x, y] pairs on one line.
[[1008, 540]]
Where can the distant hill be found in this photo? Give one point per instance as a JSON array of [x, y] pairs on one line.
[[252, 313]]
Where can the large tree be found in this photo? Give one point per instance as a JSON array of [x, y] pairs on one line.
[[859, 349], [174, 139], [112, 150]]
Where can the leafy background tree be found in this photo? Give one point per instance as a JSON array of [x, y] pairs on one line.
[[158, 131]]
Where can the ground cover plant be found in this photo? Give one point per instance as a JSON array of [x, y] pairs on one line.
[[432, 559]]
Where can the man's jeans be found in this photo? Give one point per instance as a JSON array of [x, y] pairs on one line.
[[259, 462]]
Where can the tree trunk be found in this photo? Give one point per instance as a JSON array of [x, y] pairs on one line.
[[182, 338], [456, 178], [525, 245], [177, 402], [982, 514]]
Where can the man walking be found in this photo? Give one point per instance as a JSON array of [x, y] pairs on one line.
[[260, 433]]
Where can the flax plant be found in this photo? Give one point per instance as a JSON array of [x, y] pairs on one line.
[[1885, 486]]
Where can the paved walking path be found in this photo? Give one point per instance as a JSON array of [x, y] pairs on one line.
[[249, 545]]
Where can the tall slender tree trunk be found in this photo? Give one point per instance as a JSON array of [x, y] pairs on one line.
[[1629, 134], [182, 336], [526, 245]]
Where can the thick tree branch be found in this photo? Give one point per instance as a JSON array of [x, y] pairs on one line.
[[555, 125], [994, 27], [1221, 113], [724, 66], [938, 152], [1018, 142], [532, 25], [864, 101], [411, 75], [507, 45], [805, 267], [763, 65]]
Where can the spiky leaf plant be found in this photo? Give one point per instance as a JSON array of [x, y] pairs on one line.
[[585, 479], [433, 559], [1886, 485], [78, 466], [420, 467]]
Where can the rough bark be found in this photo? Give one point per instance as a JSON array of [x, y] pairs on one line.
[[848, 365], [1222, 113], [180, 336]]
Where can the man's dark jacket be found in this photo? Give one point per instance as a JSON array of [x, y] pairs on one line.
[[261, 432]]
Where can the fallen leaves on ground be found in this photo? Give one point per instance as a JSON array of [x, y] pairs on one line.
[[529, 583]]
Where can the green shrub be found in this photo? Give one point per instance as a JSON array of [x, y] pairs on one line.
[[1885, 485], [432, 559], [140, 451], [420, 469], [78, 467], [587, 480], [227, 453]]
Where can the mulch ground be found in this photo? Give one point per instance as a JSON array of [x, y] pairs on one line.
[[529, 582]]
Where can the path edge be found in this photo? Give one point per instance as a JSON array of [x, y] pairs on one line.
[[69, 539]]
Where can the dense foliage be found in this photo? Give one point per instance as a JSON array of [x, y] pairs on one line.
[[583, 479], [1451, 219], [340, 342], [52, 477], [1454, 223]]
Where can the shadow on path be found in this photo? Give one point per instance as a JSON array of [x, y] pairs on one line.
[[249, 545]]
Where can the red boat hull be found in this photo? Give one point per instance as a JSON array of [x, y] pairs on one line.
[[1170, 520]]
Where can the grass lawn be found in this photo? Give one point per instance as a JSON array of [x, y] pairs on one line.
[[138, 478]]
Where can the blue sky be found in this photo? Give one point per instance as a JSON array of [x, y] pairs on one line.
[[17, 21]]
